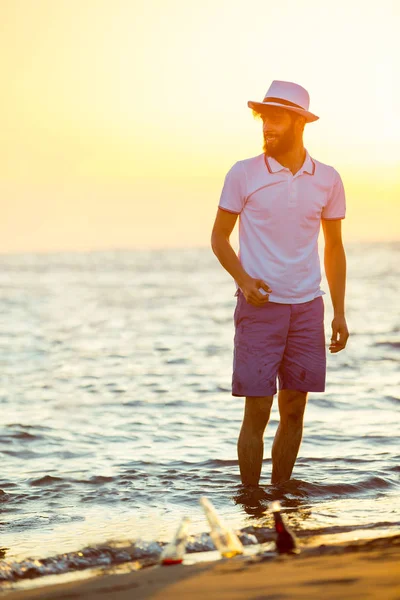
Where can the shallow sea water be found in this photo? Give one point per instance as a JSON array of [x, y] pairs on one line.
[[117, 413]]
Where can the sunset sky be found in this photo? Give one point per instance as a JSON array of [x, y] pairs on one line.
[[120, 118]]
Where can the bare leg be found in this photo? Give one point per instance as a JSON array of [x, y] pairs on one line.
[[285, 447], [251, 439]]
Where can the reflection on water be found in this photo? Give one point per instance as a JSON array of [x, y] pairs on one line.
[[117, 413]]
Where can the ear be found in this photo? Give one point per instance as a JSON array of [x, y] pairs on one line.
[[300, 122]]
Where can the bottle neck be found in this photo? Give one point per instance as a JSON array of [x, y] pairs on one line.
[[279, 525], [213, 520]]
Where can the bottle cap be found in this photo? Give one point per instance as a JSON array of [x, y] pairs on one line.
[[275, 506]]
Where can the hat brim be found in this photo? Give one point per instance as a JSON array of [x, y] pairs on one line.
[[309, 116]]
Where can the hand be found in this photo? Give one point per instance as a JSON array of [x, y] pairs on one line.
[[252, 294], [340, 334]]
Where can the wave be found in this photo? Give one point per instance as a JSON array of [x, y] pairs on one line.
[[181, 478], [143, 554], [389, 344], [291, 491]]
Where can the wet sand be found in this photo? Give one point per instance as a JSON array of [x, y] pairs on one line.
[[365, 570]]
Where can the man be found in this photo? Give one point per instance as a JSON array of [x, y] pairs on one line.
[[281, 197]]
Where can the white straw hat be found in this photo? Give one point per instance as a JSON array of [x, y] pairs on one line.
[[287, 95]]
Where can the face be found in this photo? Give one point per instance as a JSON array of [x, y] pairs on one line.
[[280, 131]]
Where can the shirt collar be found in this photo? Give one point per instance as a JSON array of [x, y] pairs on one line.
[[274, 166]]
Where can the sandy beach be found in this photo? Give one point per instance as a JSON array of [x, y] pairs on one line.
[[368, 569]]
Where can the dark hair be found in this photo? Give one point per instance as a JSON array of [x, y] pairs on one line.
[[256, 114]]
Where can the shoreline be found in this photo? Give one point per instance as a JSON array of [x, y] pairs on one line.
[[367, 569]]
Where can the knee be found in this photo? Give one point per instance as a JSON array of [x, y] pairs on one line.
[[292, 405], [257, 412]]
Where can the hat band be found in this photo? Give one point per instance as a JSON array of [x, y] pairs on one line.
[[282, 101]]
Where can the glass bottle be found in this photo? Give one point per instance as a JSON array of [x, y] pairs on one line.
[[173, 553], [225, 539], [286, 541]]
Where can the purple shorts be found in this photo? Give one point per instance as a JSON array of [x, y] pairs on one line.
[[278, 340]]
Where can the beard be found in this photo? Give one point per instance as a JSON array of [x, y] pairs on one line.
[[280, 144]]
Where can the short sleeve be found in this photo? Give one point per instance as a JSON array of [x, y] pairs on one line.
[[336, 206], [233, 193]]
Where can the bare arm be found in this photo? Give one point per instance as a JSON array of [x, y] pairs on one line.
[[335, 264], [335, 269], [220, 243]]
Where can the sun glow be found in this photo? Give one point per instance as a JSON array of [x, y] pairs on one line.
[[120, 119]]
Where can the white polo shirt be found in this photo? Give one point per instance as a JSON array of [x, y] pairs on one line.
[[279, 221]]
